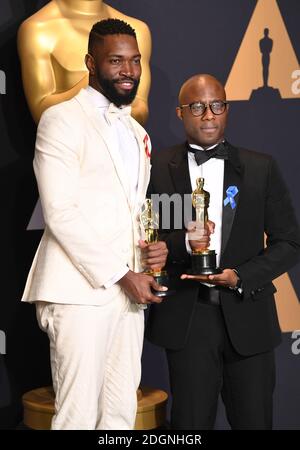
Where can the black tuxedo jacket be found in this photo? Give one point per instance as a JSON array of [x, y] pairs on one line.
[[263, 206]]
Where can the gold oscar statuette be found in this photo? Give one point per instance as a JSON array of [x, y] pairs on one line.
[[203, 261], [150, 222]]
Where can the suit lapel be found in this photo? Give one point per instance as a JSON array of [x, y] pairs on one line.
[[104, 131], [232, 177], [180, 174], [179, 169], [144, 166]]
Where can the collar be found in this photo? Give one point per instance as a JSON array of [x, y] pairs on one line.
[[198, 147], [98, 99]]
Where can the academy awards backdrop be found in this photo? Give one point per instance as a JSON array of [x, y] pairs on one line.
[[253, 47]]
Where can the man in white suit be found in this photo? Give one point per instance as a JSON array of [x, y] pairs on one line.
[[92, 164]]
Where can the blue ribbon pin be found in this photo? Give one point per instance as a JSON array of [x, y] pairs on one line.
[[231, 193]]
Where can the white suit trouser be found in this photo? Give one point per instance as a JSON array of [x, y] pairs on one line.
[[95, 362]]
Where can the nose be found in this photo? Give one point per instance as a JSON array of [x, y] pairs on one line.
[[127, 69], [208, 114]]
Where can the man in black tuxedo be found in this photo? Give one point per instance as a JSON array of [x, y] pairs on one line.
[[219, 331]]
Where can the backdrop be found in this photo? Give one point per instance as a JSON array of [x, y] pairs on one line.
[[224, 38]]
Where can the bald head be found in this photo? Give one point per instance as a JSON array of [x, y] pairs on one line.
[[199, 82], [206, 128]]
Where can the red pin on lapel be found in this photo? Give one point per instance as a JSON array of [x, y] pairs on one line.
[[147, 149]]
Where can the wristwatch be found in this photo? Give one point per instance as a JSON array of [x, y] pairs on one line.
[[239, 285]]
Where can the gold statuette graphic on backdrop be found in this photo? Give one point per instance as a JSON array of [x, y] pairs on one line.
[[203, 261], [150, 222], [52, 44]]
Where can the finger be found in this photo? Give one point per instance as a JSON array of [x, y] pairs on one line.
[[155, 299], [210, 226], [154, 255], [151, 297], [198, 235], [220, 278], [142, 244], [185, 276], [154, 252], [148, 296], [196, 245], [224, 283], [158, 287], [157, 253], [191, 225], [160, 245], [143, 302], [155, 259], [158, 262]]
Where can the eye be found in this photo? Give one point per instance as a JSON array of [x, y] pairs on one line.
[[136, 61], [197, 107], [217, 105], [115, 61]]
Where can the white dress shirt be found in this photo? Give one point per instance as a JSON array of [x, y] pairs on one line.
[[213, 173], [129, 151]]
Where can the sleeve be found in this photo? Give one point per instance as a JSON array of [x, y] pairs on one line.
[[283, 236], [117, 277], [57, 169]]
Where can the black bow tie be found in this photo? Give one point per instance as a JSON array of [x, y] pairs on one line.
[[201, 156]]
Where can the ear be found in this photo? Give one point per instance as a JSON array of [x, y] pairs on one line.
[[90, 63], [179, 112]]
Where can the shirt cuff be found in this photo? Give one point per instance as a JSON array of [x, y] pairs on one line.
[[239, 286], [117, 277]]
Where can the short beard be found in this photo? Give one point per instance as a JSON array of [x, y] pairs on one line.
[[108, 89]]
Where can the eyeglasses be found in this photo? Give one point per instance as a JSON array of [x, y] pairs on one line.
[[198, 108]]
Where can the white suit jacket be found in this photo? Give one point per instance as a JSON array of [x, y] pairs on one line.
[[91, 230]]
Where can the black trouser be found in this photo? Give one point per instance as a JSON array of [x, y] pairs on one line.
[[208, 365]]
